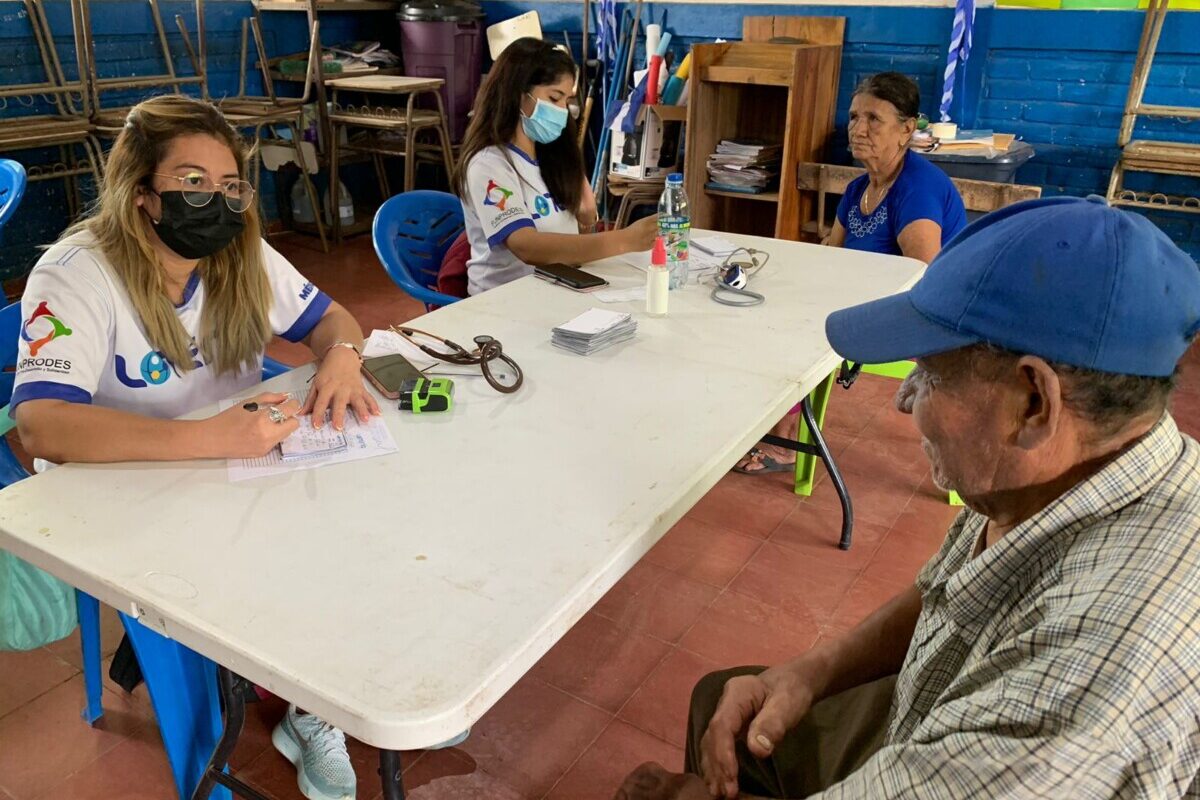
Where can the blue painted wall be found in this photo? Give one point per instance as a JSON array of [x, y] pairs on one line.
[[1057, 78]]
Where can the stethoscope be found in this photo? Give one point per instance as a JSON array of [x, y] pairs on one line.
[[729, 285], [487, 350]]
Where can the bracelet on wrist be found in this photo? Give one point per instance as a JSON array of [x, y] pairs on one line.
[[348, 345]]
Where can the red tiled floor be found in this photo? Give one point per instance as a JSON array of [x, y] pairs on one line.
[[618, 751], [660, 707], [737, 629], [656, 601], [27, 676], [928, 513], [44, 740], [703, 552], [752, 505], [877, 499], [849, 413], [788, 580], [873, 457], [901, 556], [452, 775], [891, 424], [600, 663], [136, 769], [533, 735], [814, 531], [863, 599]]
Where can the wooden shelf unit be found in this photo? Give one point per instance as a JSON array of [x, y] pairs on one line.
[[784, 93]]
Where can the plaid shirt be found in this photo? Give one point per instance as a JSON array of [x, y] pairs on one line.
[[1064, 660]]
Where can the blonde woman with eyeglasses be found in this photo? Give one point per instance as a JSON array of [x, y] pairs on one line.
[[162, 301]]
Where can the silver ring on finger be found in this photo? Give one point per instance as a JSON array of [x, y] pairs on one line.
[[277, 416]]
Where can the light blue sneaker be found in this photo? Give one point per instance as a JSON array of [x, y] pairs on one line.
[[318, 751]]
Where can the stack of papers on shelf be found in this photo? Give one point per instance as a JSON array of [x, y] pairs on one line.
[[745, 165], [593, 330]]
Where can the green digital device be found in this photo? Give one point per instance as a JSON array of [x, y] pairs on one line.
[[427, 395]]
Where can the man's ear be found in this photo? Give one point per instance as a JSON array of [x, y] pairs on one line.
[[1041, 402]]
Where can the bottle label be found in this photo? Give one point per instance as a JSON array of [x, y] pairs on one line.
[[675, 237]]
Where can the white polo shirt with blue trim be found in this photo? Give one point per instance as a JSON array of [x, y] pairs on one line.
[[504, 193], [82, 341]]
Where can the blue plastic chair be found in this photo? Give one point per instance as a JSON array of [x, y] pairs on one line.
[[272, 368], [12, 189], [412, 232]]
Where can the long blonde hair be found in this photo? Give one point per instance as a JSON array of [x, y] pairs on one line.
[[234, 325]]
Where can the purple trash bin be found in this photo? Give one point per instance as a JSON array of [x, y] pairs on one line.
[[444, 39]]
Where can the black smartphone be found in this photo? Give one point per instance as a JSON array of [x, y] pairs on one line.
[[571, 277], [387, 373]]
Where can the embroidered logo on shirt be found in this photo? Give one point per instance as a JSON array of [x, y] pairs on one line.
[[306, 291], [43, 316], [859, 227], [496, 195]]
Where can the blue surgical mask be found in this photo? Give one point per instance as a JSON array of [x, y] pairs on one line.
[[546, 123]]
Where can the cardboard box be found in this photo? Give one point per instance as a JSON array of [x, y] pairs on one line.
[[655, 147]]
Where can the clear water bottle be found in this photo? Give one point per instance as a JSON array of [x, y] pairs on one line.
[[674, 226]]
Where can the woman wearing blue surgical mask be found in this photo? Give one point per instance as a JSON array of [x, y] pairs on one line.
[[521, 178]]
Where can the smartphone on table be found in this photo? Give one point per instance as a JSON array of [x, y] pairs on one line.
[[386, 373], [570, 277]]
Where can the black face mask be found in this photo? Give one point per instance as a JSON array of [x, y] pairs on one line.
[[196, 232]]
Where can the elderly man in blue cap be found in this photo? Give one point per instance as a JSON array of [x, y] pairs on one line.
[[1051, 648]]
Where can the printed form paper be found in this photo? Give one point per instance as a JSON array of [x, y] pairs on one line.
[[362, 440]]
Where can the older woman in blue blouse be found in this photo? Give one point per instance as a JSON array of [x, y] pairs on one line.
[[904, 205]]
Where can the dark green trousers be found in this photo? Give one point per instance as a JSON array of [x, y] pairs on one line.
[[833, 740]]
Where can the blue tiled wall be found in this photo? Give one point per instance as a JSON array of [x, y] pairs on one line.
[[1057, 78]]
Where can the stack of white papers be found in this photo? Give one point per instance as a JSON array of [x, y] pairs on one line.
[[594, 330], [715, 246]]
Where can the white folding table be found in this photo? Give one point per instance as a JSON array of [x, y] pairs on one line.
[[399, 598]]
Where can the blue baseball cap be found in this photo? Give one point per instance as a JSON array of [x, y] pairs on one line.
[[1070, 280]]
